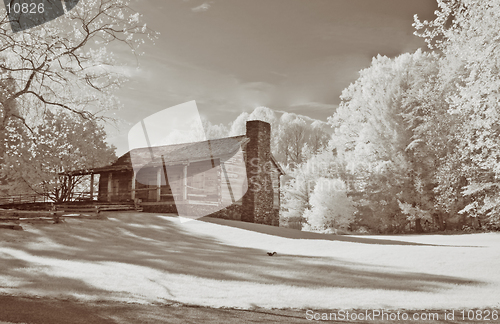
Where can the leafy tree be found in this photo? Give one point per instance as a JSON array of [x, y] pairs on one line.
[[6, 88], [331, 210], [63, 142], [297, 192], [213, 131], [294, 201], [238, 126], [293, 134], [318, 136], [466, 32], [374, 134], [296, 135], [417, 136], [66, 63], [265, 114], [293, 138]]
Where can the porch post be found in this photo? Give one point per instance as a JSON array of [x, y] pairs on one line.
[[185, 183], [110, 185], [158, 184], [91, 187], [132, 194], [70, 189], [219, 183]]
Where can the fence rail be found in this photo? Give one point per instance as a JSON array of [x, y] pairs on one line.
[[41, 198], [23, 199]]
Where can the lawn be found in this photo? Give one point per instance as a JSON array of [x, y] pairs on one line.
[[156, 259]]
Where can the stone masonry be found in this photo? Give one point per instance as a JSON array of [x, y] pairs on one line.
[[257, 203]]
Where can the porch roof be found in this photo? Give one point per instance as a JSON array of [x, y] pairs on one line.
[[97, 170]]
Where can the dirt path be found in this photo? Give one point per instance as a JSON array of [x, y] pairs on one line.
[[50, 311], [45, 311]]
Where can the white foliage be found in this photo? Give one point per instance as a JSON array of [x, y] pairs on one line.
[[331, 210], [238, 126]]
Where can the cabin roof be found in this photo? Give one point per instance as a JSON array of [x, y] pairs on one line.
[[171, 154], [175, 154], [278, 166], [181, 153]]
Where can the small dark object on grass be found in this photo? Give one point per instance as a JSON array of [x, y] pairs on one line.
[[271, 254]]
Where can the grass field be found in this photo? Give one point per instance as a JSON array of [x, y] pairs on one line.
[[148, 258]]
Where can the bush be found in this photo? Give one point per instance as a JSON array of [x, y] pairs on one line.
[[331, 210]]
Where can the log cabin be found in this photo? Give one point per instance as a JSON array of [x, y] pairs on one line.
[[234, 178]]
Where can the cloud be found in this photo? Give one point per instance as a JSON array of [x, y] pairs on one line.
[[316, 110], [201, 8], [124, 70], [319, 106]]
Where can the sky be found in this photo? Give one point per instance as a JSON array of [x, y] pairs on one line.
[[232, 56]]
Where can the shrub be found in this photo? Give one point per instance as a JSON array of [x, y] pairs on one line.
[[331, 210]]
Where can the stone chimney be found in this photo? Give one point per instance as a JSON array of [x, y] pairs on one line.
[[257, 203]]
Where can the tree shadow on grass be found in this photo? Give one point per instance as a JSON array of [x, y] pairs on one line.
[[298, 234], [142, 243], [28, 310]]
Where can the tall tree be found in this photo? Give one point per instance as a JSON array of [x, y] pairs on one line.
[[6, 88], [66, 63], [318, 136], [297, 192], [62, 142], [374, 130], [467, 33], [293, 133]]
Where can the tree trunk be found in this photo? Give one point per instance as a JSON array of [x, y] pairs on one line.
[[439, 221], [418, 226]]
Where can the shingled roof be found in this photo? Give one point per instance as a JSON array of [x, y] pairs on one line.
[[181, 153], [175, 154]]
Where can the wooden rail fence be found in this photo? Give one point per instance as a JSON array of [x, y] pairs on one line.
[[40, 198]]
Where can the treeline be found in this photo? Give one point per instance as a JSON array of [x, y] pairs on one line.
[[416, 138], [294, 140]]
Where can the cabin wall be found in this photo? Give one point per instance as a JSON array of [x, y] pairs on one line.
[[207, 189], [121, 186], [146, 185], [197, 184], [203, 182], [233, 182], [103, 187]]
